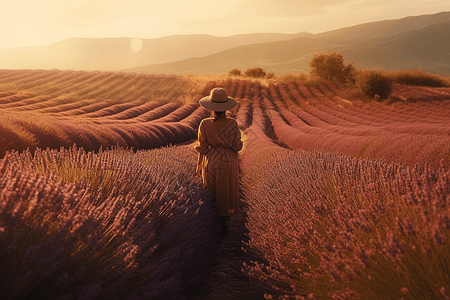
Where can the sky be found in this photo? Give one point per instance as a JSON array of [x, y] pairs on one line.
[[42, 22]]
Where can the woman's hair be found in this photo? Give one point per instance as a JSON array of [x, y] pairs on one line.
[[218, 115]]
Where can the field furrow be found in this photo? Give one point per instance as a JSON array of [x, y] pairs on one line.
[[340, 192], [94, 109]]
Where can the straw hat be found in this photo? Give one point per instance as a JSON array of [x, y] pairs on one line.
[[218, 100]]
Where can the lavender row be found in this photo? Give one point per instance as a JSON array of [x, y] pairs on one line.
[[327, 226], [111, 225]]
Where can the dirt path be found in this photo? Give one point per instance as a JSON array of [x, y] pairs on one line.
[[227, 281]]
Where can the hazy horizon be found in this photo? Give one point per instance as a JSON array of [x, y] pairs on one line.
[[43, 22]]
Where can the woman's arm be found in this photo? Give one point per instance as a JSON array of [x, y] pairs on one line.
[[237, 145], [203, 145]]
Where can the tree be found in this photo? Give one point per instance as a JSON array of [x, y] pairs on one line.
[[330, 67]]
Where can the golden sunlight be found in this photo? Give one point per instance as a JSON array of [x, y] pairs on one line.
[[136, 45]]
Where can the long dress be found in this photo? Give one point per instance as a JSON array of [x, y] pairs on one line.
[[218, 144]]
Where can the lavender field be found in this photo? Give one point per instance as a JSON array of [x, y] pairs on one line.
[[348, 198]]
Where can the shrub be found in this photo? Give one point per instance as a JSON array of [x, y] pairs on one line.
[[331, 67], [255, 72], [270, 75], [235, 72], [373, 82], [417, 77], [349, 74]]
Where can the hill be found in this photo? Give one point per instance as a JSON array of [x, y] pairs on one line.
[[116, 53], [411, 43], [381, 29], [419, 42]]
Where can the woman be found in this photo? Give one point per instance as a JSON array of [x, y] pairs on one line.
[[219, 141]]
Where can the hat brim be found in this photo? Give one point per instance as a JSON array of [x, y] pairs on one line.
[[216, 106]]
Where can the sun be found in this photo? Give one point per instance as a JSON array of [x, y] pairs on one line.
[[136, 45]]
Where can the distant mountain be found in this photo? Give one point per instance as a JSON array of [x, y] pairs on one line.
[[427, 48], [279, 57], [408, 43], [386, 28], [421, 42], [116, 53]]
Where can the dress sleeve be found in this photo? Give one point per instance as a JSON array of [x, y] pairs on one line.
[[203, 145], [237, 145]]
